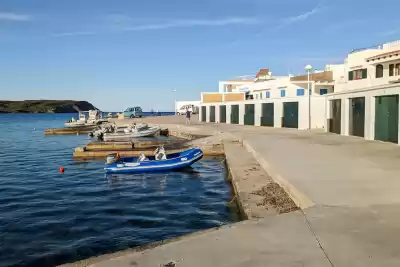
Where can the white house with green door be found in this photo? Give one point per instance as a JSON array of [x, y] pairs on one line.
[[365, 101]]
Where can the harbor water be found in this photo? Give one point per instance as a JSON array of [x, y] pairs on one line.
[[49, 218]]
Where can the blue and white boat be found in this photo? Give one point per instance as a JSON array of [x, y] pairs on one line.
[[159, 162]]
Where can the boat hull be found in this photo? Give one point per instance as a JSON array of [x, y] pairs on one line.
[[127, 136], [179, 161]]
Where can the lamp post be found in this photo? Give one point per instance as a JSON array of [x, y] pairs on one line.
[[174, 91], [309, 68]]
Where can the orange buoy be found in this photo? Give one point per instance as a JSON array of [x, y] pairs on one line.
[[61, 169]]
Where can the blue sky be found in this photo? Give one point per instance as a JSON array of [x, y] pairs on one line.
[[123, 53]]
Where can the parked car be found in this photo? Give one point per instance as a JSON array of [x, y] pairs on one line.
[[135, 112], [192, 108]]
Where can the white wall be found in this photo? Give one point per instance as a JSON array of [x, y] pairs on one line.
[[369, 107], [223, 85], [317, 110]]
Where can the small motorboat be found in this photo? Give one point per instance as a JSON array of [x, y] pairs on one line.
[[94, 118], [159, 162], [131, 133]]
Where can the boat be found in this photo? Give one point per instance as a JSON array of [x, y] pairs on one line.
[[94, 118], [76, 123], [131, 132], [159, 162]]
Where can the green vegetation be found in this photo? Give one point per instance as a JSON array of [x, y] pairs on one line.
[[44, 106]]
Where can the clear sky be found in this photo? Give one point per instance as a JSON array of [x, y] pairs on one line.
[[123, 53]]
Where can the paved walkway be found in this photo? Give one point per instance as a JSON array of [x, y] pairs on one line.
[[349, 190]]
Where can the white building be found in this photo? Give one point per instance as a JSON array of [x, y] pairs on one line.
[[278, 101], [233, 85], [366, 97]]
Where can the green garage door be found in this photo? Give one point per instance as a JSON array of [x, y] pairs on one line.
[[222, 114], [387, 118], [290, 115], [203, 113], [235, 114], [212, 113], [357, 124], [249, 114], [267, 114], [335, 122]]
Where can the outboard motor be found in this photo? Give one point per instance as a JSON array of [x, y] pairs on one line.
[[142, 157], [159, 153], [112, 158]]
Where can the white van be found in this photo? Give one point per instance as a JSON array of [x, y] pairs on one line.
[[192, 108]]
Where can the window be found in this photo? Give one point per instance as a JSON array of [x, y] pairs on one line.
[[323, 91], [300, 92], [394, 69], [379, 71], [283, 93], [267, 94], [358, 74], [260, 95]]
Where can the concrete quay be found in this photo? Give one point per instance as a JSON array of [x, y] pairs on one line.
[[347, 188]]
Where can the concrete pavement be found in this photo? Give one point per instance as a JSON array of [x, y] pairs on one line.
[[349, 189], [280, 241]]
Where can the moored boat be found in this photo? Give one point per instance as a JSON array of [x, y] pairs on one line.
[[131, 133], [159, 162], [94, 118]]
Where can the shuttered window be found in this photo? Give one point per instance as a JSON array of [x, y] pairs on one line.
[[358, 74], [283, 93], [364, 74], [394, 69], [391, 69], [351, 75], [267, 94]]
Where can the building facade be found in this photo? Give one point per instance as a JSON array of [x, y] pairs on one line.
[[276, 101], [366, 96], [359, 97]]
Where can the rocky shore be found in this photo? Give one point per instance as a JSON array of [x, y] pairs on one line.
[[44, 106]]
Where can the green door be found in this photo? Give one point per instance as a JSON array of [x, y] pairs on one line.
[[203, 113], [335, 123], [222, 114], [290, 115], [212, 113], [249, 114], [267, 114], [235, 114], [387, 118], [358, 116]]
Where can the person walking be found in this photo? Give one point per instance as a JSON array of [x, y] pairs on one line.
[[188, 116]]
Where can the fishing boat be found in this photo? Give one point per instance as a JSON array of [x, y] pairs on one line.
[[94, 118], [76, 123], [129, 133], [159, 162]]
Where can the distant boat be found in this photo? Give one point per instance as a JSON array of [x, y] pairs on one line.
[[94, 118]]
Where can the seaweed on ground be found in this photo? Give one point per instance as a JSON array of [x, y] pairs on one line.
[[274, 195]]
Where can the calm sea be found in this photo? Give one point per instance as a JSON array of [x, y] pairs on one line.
[[48, 218]]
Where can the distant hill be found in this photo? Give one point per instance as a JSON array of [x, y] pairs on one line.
[[44, 106]]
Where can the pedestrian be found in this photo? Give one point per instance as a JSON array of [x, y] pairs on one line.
[[188, 116]]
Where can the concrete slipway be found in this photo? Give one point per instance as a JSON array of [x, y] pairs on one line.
[[349, 192]]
